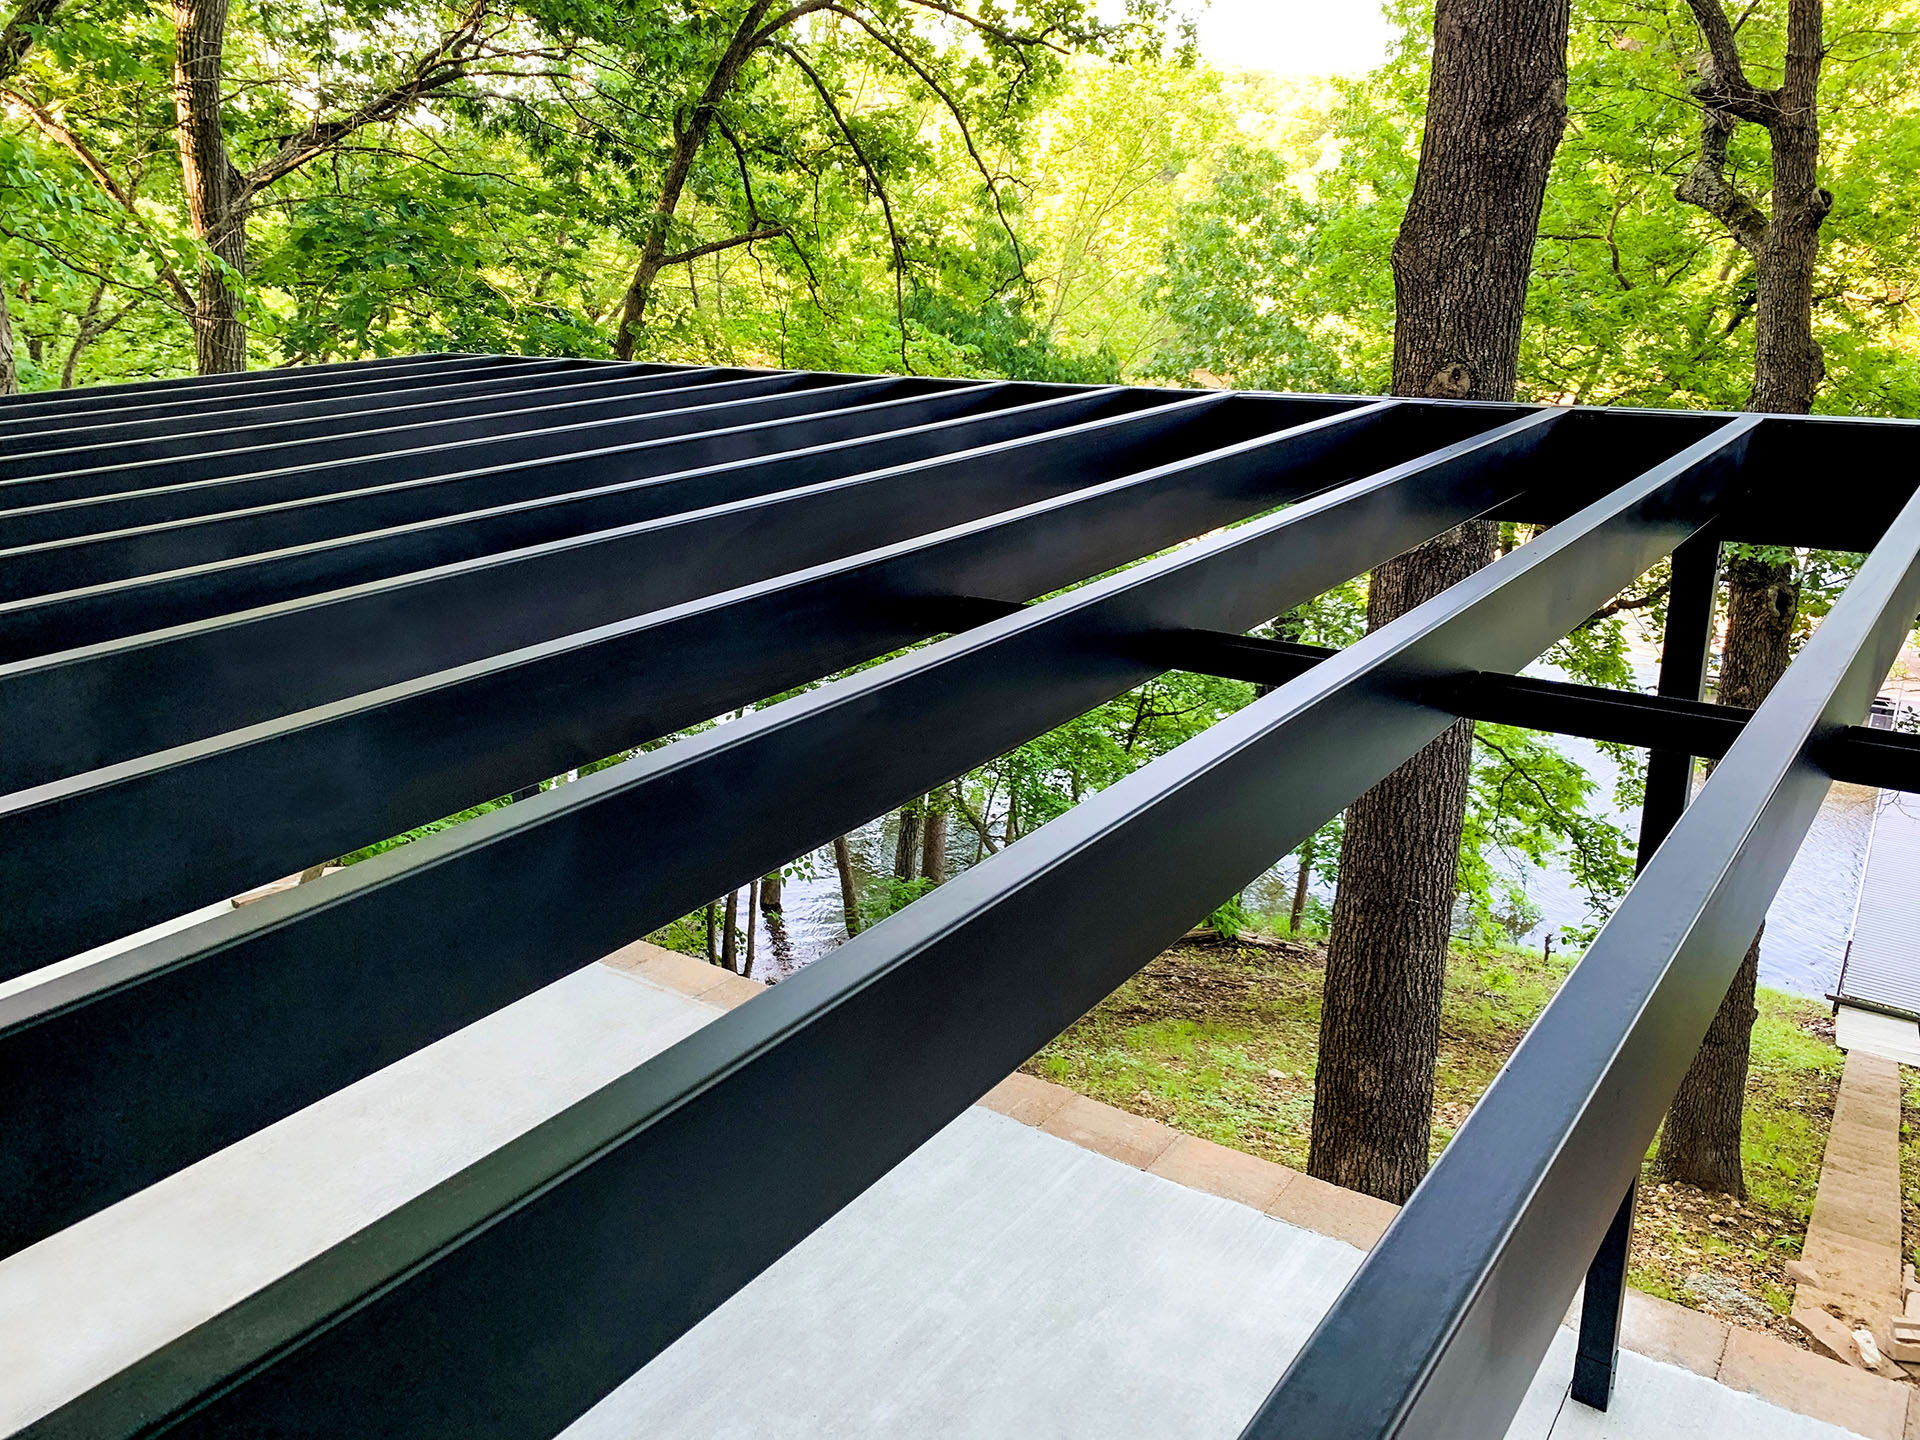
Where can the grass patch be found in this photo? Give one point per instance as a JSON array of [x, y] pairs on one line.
[[1218, 1040]]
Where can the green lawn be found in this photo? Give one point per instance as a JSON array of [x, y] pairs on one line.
[[1218, 1040]]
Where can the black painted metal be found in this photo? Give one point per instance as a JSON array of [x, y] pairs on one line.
[[305, 379], [260, 668], [1683, 673], [748, 1095], [531, 432], [1497, 1237], [177, 454], [72, 595], [389, 403], [230, 1013]]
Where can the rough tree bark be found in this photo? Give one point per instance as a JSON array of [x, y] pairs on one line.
[[1496, 107], [729, 932], [217, 192], [9, 371], [906, 846], [770, 893], [933, 840], [689, 136], [21, 28], [1700, 1143], [753, 927], [849, 893], [1783, 241], [1302, 878]]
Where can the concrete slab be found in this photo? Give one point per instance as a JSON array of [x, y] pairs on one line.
[[1673, 1334], [1132, 1139], [1315, 1205], [1654, 1399], [1001, 1281], [83, 1303], [1233, 1174]]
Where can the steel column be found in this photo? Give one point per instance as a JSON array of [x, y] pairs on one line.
[[941, 999], [1683, 671], [1496, 1238]]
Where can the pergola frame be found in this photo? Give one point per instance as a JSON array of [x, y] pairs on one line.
[[250, 623]]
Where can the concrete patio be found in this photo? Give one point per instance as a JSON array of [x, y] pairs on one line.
[[1044, 1267]]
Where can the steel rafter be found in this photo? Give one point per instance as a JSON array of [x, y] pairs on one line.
[[249, 623]]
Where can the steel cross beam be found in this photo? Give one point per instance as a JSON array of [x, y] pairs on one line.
[[216, 1018], [1662, 722], [784, 1090], [529, 564], [348, 377], [158, 570], [676, 411], [1496, 1238], [425, 747], [457, 398]]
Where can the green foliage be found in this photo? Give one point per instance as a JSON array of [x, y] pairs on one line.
[[884, 895], [1229, 919]]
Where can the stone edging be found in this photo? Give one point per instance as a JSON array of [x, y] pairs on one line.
[[1782, 1374]]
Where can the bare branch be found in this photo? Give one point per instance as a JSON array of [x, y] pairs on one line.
[[1707, 185], [714, 246], [50, 125], [900, 51], [986, 27], [449, 60], [873, 178]]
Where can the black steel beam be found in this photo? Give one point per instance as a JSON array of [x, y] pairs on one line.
[[176, 686], [216, 442], [276, 508], [239, 808], [1684, 649], [677, 410], [79, 593], [217, 1017], [179, 526], [544, 1258], [1442, 1329], [400, 372], [1855, 754], [414, 399]]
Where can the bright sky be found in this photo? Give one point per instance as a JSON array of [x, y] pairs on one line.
[[1294, 37]]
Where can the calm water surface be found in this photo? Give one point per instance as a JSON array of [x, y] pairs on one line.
[[1806, 928]]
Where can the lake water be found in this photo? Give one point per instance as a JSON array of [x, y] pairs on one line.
[[1801, 949]]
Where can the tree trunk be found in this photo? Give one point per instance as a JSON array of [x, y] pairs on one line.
[[1301, 879], [9, 371], [933, 840], [713, 932], [729, 936], [1392, 913], [1700, 1143], [687, 142], [770, 893], [1496, 106], [216, 191], [906, 847], [753, 927], [849, 894]]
